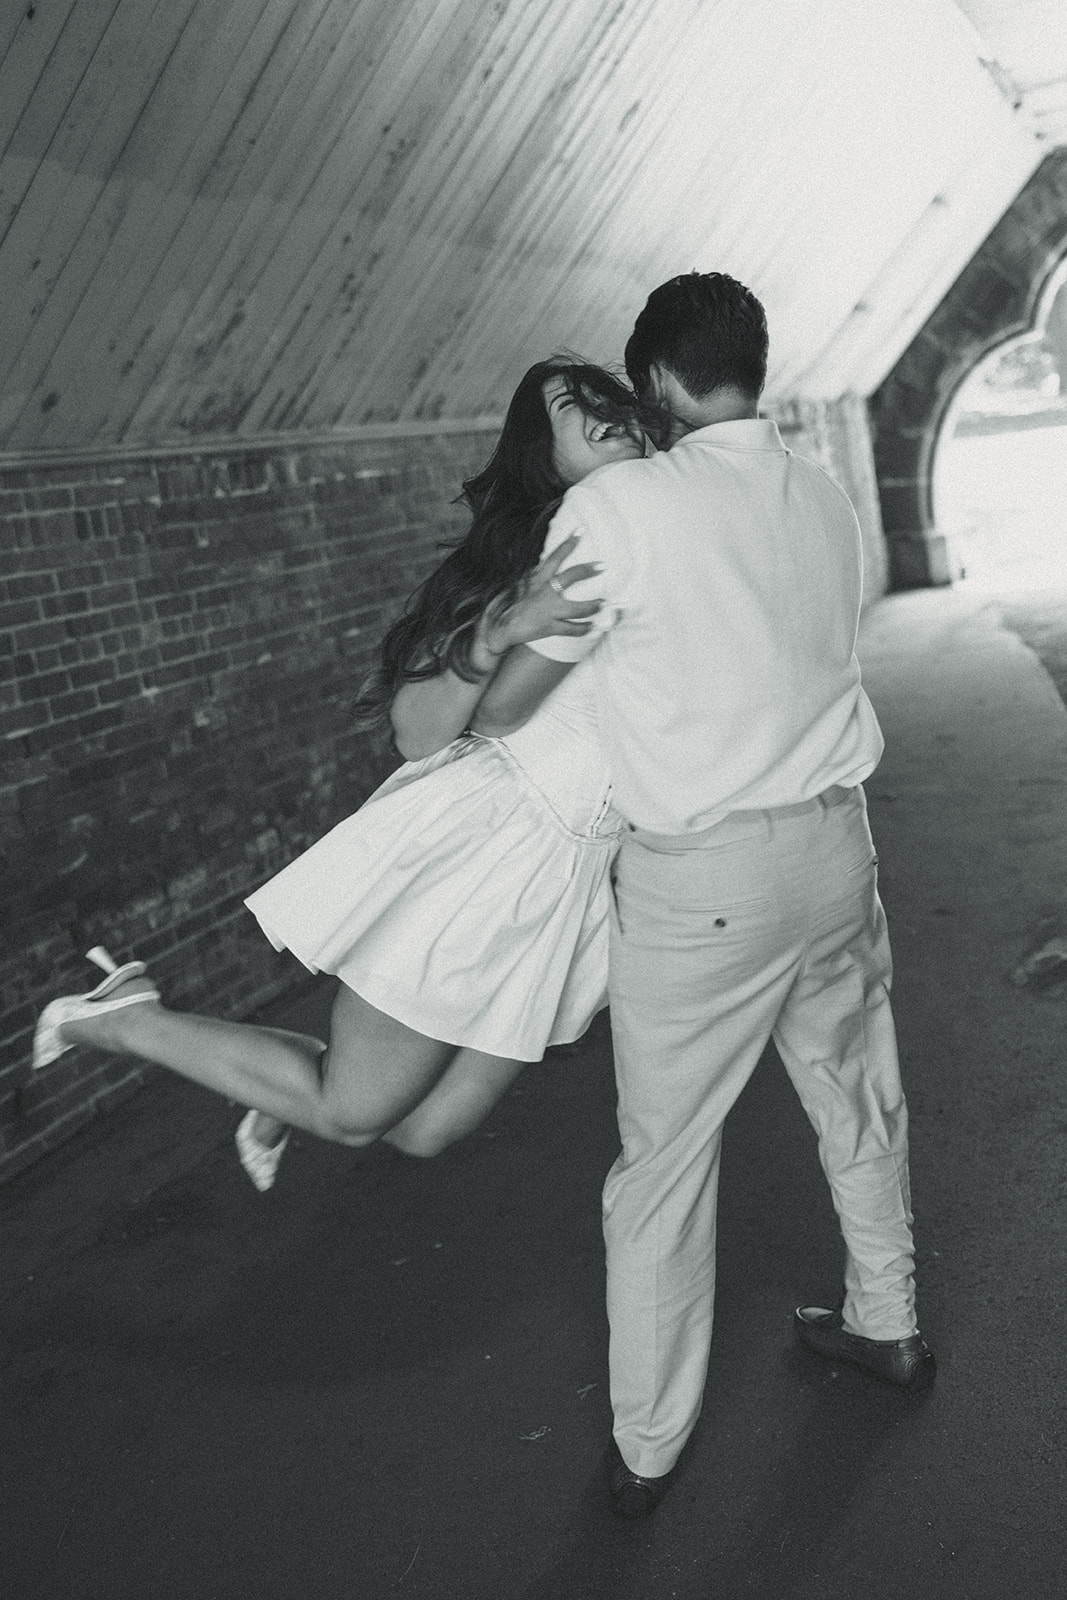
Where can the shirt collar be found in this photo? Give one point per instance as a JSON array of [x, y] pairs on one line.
[[744, 433]]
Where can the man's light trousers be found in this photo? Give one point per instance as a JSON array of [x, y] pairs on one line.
[[766, 925]]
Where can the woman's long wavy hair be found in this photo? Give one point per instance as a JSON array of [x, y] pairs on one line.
[[511, 502]]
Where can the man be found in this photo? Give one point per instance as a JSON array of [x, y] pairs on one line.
[[739, 737]]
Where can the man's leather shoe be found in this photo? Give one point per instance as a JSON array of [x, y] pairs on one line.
[[632, 1495], [907, 1363]]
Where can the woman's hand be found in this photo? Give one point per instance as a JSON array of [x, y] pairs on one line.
[[541, 610]]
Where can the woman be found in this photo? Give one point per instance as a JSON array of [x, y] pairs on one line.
[[464, 906]]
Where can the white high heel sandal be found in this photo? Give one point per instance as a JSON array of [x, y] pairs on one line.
[[48, 1044], [259, 1160]]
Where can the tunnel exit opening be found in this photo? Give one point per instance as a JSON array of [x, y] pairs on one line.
[[1005, 293], [999, 479]]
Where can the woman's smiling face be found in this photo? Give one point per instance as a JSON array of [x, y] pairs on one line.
[[581, 442]]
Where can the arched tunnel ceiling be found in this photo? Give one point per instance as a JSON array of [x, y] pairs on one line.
[[253, 216]]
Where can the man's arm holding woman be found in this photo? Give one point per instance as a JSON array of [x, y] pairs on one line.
[[533, 669], [511, 680]]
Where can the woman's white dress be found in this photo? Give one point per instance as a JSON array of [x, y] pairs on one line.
[[469, 896]]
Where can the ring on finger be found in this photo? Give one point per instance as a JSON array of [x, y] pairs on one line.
[[554, 583]]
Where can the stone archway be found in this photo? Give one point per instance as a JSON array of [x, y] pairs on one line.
[[999, 294]]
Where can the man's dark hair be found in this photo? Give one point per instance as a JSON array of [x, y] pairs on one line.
[[704, 328]]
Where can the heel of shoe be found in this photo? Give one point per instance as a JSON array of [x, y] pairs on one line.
[[115, 975]]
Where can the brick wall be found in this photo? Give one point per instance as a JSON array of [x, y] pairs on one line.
[[179, 641]]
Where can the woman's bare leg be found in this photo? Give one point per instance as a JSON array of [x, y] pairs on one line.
[[374, 1071], [459, 1102]]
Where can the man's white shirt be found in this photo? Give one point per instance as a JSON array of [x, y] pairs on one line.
[[724, 655]]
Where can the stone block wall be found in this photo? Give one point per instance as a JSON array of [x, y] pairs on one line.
[[180, 641], [836, 434], [994, 298]]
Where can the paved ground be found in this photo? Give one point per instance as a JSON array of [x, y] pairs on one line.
[[387, 1378]]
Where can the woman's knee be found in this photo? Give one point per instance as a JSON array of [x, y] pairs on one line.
[[355, 1138], [341, 1127], [423, 1142], [424, 1137]]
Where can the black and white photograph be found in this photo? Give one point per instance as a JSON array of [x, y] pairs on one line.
[[533, 799]]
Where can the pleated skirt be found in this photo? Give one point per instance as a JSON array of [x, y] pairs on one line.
[[459, 901]]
